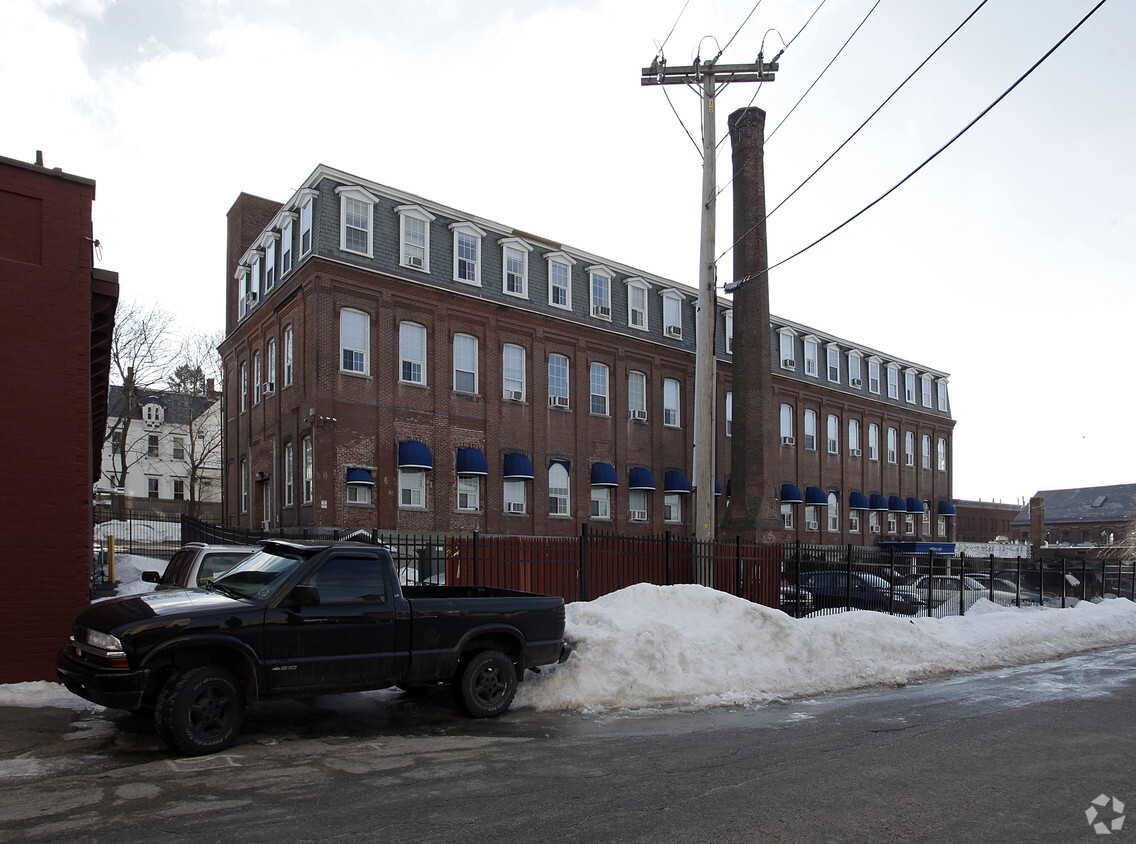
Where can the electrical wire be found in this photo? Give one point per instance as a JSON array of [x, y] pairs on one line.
[[669, 34], [926, 161], [697, 148], [739, 29]]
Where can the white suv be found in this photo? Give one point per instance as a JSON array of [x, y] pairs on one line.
[[195, 565]]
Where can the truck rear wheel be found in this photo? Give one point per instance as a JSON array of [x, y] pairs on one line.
[[487, 684], [200, 710]]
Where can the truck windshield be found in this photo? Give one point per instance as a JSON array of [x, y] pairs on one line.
[[260, 575]]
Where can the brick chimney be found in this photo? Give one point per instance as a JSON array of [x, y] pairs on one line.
[[1037, 525], [753, 511]]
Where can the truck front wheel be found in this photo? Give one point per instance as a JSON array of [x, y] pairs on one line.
[[200, 710], [487, 684]]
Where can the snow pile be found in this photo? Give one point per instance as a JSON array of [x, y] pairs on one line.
[[42, 693], [695, 647]]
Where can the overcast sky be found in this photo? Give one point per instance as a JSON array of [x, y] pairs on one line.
[[1006, 262]]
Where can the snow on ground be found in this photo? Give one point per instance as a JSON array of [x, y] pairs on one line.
[[692, 647]]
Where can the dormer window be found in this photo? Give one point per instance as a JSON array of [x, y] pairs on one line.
[[672, 314], [414, 236], [599, 283], [152, 415], [729, 316], [467, 252], [560, 279], [515, 267], [356, 212], [637, 290]]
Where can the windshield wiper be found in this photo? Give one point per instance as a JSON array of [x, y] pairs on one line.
[[227, 591]]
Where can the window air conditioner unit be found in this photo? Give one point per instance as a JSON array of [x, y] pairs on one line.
[[514, 395], [874, 529], [856, 452], [639, 415], [558, 401], [674, 330], [638, 515], [788, 363], [265, 525], [811, 526], [856, 382], [269, 387], [516, 506], [601, 311], [788, 441], [250, 298], [414, 261]]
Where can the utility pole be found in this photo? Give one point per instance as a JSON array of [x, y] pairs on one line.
[[704, 76]]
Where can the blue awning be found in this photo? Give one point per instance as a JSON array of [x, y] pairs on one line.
[[640, 478], [878, 503], [717, 487], [946, 508], [676, 482], [603, 474], [414, 455], [914, 505], [557, 462], [360, 476], [471, 461], [858, 501], [942, 548], [791, 494], [518, 466], [815, 495], [897, 504]]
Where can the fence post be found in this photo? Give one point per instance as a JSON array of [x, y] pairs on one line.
[[667, 558], [1064, 583], [741, 572], [584, 593], [990, 578], [473, 566], [1085, 579]]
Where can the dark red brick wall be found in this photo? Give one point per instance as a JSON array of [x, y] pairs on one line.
[[45, 476]]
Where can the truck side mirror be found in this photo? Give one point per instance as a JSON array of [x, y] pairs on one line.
[[151, 577], [304, 596]]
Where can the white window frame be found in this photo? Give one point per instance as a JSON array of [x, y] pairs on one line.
[[269, 261], [559, 490], [358, 493], [289, 475], [812, 352], [925, 447], [810, 424], [242, 275], [786, 424], [244, 385], [942, 398], [832, 362], [672, 314], [874, 364], [406, 249], [601, 503], [893, 381], [941, 454], [855, 369], [854, 437], [307, 213], [514, 491], [256, 373], [672, 403], [285, 222], [412, 489], [559, 387], [270, 362], [411, 335], [874, 521], [464, 263], [637, 503], [308, 457], [513, 371], [786, 344], [599, 291], [909, 385], [364, 352], [637, 395], [599, 389], [520, 276], [256, 262], [873, 441], [925, 389], [289, 350], [348, 195], [853, 521], [728, 317], [833, 513], [463, 340], [909, 448], [244, 485], [672, 507], [787, 516], [566, 261], [637, 304], [892, 445], [469, 493], [833, 434], [729, 414]]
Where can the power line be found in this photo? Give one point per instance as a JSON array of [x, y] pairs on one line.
[[669, 34], [862, 125], [739, 29], [732, 286]]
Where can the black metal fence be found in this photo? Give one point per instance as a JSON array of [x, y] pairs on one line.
[[801, 579]]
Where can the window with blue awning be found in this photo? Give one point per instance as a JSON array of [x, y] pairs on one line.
[[816, 495], [858, 501], [471, 461], [897, 504], [640, 478], [603, 474], [878, 503], [517, 466], [360, 476], [676, 482], [946, 508], [791, 494], [414, 455], [914, 505]]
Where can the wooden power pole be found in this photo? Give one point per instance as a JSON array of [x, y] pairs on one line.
[[705, 77]]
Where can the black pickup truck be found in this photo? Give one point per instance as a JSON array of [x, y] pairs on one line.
[[299, 619]]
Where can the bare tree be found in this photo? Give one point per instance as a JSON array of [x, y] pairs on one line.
[[141, 354], [193, 383]]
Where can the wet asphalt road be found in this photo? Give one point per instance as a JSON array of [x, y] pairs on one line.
[[1010, 755]]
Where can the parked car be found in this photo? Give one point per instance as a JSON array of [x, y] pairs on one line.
[[939, 589], [1005, 589], [858, 590], [297, 620], [197, 565], [796, 602]]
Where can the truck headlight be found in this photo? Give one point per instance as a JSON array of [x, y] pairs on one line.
[[103, 641]]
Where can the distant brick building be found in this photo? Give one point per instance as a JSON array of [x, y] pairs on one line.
[[984, 521], [59, 317], [1083, 516], [394, 363]]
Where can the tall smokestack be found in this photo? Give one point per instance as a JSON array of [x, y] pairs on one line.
[[752, 505]]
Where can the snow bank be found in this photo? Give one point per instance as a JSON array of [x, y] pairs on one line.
[[695, 647]]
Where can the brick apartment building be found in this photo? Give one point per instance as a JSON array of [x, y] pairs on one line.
[[984, 521], [56, 342], [1083, 516], [391, 362]]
